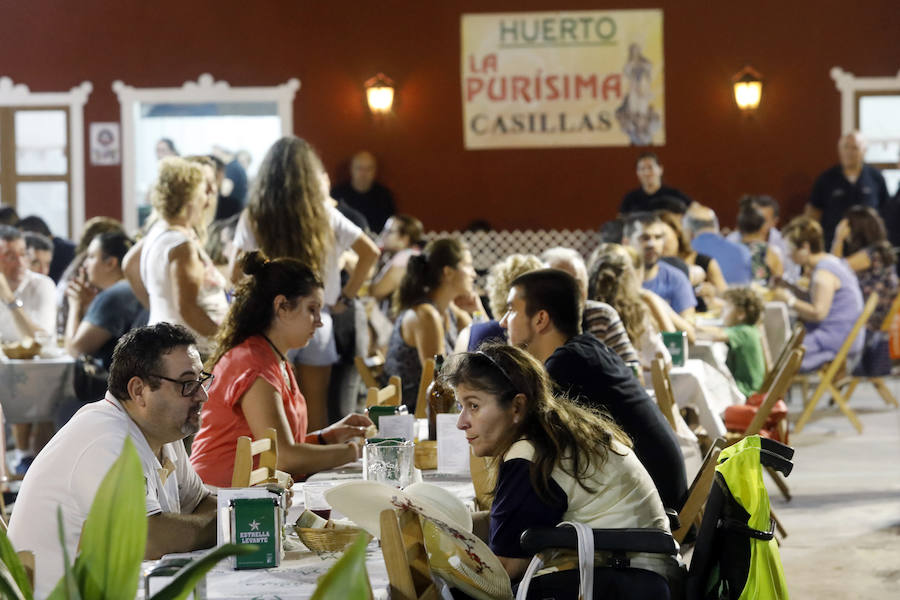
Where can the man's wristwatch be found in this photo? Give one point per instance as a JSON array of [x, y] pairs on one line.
[[14, 304]]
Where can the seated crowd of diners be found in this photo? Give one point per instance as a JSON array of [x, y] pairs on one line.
[[255, 320]]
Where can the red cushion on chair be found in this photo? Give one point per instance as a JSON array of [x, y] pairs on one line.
[[738, 418]]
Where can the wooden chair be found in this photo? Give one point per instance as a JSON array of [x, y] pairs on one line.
[[266, 448], [830, 370], [878, 382], [692, 511], [389, 395], [424, 382], [779, 388], [369, 367], [767, 352], [662, 385], [403, 547], [793, 342]]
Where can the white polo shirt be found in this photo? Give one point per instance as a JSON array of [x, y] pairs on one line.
[[38, 295], [67, 473]]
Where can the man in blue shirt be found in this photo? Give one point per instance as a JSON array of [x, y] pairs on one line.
[[646, 233], [734, 259], [846, 184]]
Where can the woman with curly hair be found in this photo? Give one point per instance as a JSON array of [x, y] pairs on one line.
[[835, 300], [558, 461], [612, 280], [169, 268], [291, 215], [276, 308]]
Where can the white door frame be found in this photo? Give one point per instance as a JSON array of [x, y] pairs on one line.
[[18, 94], [205, 89]]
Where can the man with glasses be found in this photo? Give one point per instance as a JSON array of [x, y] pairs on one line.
[[156, 389]]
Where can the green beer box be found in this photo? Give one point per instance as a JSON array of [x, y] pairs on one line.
[[676, 343], [257, 521]]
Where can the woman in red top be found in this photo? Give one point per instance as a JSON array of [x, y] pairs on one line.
[[275, 309]]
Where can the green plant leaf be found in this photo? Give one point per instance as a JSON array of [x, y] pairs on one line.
[[14, 568], [190, 574], [348, 577], [114, 535], [67, 588], [9, 587]]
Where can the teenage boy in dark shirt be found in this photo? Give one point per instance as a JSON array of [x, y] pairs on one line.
[[544, 318]]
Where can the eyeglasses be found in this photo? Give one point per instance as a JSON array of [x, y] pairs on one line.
[[192, 386]]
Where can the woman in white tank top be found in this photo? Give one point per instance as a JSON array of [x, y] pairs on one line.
[[181, 282]]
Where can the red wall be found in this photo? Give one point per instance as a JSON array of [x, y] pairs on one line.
[[332, 46]]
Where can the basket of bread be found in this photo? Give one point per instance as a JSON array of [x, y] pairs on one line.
[[320, 535], [26, 348]]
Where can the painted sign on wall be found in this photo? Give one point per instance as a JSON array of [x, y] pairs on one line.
[[583, 78]]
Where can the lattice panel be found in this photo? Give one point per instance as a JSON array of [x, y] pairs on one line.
[[490, 247]]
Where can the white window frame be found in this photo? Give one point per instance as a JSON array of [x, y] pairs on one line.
[[205, 89], [18, 94], [850, 86]]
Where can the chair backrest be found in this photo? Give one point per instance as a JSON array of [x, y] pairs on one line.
[[699, 490], [779, 388], [889, 318], [662, 385], [720, 559], [266, 448], [367, 368], [403, 547], [841, 356], [794, 341], [389, 395], [767, 352], [424, 382]]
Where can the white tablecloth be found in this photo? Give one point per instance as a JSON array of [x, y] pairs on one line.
[[31, 390], [714, 354], [299, 572], [702, 386]]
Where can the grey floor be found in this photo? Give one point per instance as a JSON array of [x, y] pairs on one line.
[[843, 522]]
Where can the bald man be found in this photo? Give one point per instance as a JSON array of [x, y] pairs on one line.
[[364, 194], [846, 184]]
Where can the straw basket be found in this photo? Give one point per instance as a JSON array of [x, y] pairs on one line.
[[329, 539], [24, 349]]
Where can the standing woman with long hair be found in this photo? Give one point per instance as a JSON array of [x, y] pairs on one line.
[[429, 322], [291, 215], [276, 308]]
